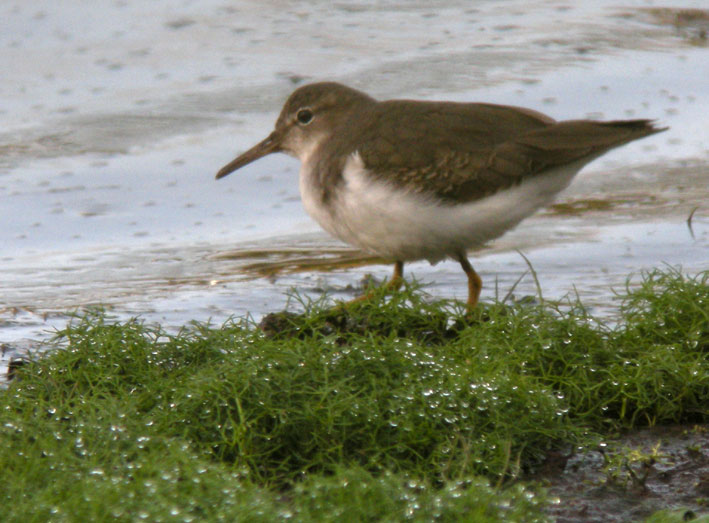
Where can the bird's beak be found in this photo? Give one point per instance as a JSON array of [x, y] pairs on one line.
[[272, 144]]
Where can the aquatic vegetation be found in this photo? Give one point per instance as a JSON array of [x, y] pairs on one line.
[[397, 408]]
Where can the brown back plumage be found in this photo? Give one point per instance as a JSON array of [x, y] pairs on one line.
[[474, 150]]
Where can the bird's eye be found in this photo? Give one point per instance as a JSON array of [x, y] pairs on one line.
[[305, 116]]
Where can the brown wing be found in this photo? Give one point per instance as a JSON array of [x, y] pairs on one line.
[[474, 150]]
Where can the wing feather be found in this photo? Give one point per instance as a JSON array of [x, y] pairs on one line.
[[473, 150]]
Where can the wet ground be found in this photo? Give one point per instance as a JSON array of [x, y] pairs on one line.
[[662, 468], [117, 115]]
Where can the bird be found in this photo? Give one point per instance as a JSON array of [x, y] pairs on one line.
[[410, 180]]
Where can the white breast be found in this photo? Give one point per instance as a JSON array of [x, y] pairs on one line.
[[403, 225]]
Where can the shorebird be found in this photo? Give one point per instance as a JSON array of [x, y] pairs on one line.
[[409, 180]]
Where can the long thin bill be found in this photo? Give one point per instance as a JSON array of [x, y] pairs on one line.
[[270, 145]]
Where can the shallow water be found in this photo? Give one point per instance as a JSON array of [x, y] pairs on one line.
[[117, 115]]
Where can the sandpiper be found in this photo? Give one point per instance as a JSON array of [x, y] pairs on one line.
[[409, 180]]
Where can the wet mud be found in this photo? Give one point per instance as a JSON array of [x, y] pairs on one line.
[[634, 476]]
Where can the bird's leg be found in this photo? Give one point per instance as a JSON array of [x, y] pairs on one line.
[[475, 284], [392, 285], [397, 278]]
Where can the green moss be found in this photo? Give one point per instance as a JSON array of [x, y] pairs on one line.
[[388, 410]]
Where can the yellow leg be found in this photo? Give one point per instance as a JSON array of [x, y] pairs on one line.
[[392, 285], [475, 284], [397, 278]]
